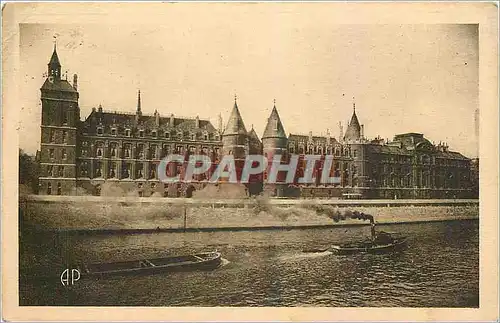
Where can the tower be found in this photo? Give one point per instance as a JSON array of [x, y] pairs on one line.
[[275, 142], [235, 139], [60, 121]]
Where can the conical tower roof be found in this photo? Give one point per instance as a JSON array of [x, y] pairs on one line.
[[274, 127], [54, 60], [252, 135], [353, 131], [235, 125]]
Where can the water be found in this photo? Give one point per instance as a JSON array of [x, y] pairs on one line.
[[440, 268]]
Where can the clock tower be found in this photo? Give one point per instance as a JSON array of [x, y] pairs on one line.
[[60, 121]]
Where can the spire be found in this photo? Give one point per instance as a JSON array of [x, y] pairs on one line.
[[274, 127], [139, 102], [54, 66], [353, 131], [235, 123]]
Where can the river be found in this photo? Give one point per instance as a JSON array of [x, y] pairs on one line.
[[440, 268]]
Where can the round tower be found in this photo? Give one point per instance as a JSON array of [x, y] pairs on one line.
[[275, 142]]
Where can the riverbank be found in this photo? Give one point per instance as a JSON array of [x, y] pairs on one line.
[[134, 215]]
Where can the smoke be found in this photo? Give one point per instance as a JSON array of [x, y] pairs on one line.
[[337, 215]]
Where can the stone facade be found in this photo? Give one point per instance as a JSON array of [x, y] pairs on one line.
[[125, 149]]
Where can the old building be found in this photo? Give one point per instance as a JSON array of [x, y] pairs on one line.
[[123, 150]]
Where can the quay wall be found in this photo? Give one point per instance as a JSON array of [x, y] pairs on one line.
[[126, 214]]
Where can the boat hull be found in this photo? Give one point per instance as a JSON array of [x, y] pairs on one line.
[[206, 261], [397, 245]]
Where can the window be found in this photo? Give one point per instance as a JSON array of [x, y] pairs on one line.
[[153, 186], [98, 170], [49, 188], [99, 151], [113, 131], [84, 152], [50, 171], [140, 172], [51, 153], [153, 152], [193, 136], [127, 132], [205, 137], [99, 131], [64, 154], [153, 133], [167, 135], [127, 150], [52, 135], [60, 171], [126, 171], [83, 169], [140, 151], [179, 150], [65, 117], [192, 149], [152, 172], [59, 189], [141, 133], [113, 150], [112, 170], [65, 136]]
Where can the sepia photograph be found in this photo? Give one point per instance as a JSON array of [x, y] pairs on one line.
[[252, 155]]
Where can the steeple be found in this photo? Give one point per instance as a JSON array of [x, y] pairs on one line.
[[235, 123], [54, 66], [139, 112], [274, 127], [353, 131]]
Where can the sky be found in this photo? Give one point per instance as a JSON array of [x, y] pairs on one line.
[[403, 78]]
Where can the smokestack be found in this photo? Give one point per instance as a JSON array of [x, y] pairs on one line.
[[75, 82]]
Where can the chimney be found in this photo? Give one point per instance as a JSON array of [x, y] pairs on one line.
[[362, 134], [341, 129], [157, 118], [100, 108], [75, 82], [219, 123], [197, 122], [172, 119]]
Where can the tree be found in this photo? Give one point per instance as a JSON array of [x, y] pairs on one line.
[[28, 172]]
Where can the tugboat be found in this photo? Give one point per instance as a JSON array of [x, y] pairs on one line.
[[380, 242]]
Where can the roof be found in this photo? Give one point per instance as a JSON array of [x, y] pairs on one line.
[[58, 85], [305, 138], [54, 59], [274, 127], [149, 121], [353, 131], [386, 149], [235, 125], [253, 135]]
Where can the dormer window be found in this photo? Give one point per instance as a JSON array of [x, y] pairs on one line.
[[167, 135], [153, 133], [141, 133], [99, 130], [127, 132], [205, 136], [113, 131]]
